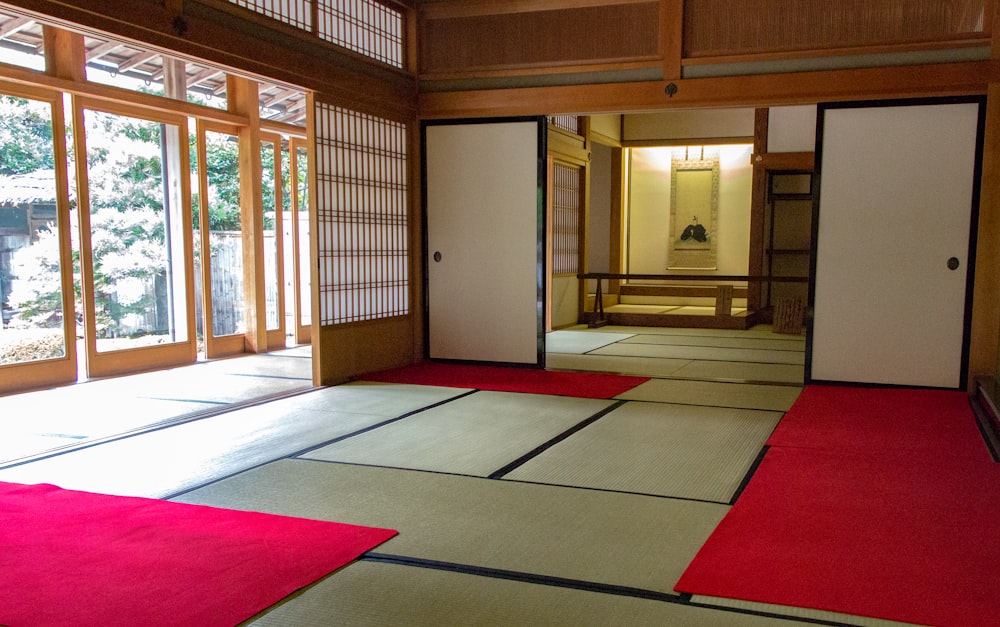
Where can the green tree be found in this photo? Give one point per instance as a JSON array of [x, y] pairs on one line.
[[25, 136], [222, 168]]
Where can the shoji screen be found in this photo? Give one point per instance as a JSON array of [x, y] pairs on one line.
[[896, 202], [484, 185]]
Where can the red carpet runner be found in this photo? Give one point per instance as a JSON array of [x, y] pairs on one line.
[[502, 379], [75, 558], [881, 503]]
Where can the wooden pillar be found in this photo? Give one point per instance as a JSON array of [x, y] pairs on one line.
[[243, 99], [65, 54], [616, 264], [758, 209], [671, 37], [583, 232], [984, 349]]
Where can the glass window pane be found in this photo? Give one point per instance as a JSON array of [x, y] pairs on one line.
[[225, 233], [136, 234], [30, 271], [269, 185], [302, 222]]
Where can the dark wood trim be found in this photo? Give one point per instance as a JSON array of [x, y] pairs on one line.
[[758, 205]]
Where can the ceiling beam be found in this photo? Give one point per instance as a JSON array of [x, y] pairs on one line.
[[107, 47], [137, 60], [204, 75], [17, 24]]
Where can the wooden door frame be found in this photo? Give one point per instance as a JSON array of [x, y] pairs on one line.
[[115, 362], [303, 332], [541, 247], [59, 370], [276, 337]]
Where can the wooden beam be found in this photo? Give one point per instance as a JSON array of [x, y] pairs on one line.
[[204, 75], [473, 8], [943, 79], [137, 60], [99, 51], [672, 37], [107, 93], [15, 25]]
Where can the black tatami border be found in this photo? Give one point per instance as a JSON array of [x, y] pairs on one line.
[[579, 584], [538, 450]]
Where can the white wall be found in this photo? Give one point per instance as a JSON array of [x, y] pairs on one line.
[[609, 125], [689, 125], [791, 129]]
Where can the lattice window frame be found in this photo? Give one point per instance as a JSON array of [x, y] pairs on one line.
[[567, 208], [362, 216], [568, 123], [367, 27]]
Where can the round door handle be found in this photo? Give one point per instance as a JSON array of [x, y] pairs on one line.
[[437, 255], [953, 263]]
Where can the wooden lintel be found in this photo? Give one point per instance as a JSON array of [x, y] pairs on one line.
[[944, 79]]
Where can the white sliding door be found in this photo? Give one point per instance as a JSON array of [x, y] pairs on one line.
[[896, 200], [485, 233]]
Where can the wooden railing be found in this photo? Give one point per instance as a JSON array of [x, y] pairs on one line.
[[723, 285]]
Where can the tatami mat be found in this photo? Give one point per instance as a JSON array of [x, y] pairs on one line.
[[798, 612], [741, 371], [226, 381], [654, 448], [726, 371], [715, 394], [768, 343], [18, 444], [580, 341], [475, 435], [603, 537], [164, 461], [381, 399], [46, 422], [649, 367], [710, 353], [144, 399], [373, 593], [760, 330]]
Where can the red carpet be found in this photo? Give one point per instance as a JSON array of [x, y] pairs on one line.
[[75, 558], [880, 503], [929, 423], [502, 379]]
